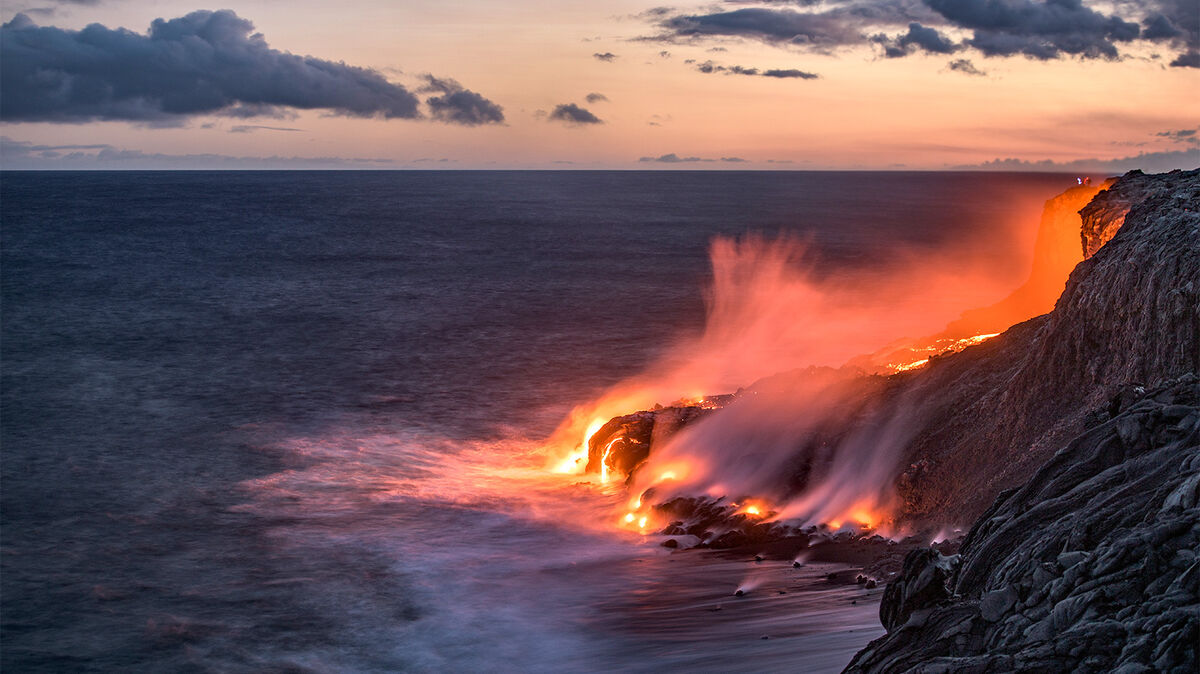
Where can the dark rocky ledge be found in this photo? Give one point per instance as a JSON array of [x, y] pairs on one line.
[[1093, 565]]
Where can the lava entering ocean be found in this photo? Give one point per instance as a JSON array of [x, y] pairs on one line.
[[807, 437]]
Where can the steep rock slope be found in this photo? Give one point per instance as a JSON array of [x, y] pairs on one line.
[[1091, 566]]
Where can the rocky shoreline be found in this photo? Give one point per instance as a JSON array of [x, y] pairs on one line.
[[1091, 566]]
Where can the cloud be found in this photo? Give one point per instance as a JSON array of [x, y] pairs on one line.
[[457, 105], [783, 26], [790, 73], [1150, 162], [672, 158], [917, 37], [202, 63], [22, 155], [250, 128], [965, 66], [574, 115], [1038, 29], [1177, 22], [1187, 60], [595, 97], [709, 67], [257, 110], [607, 57], [1185, 136]]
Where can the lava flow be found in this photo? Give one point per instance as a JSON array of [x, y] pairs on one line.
[[803, 437]]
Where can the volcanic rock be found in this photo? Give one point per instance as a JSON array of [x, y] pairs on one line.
[[921, 585], [623, 444], [1091, 565], [1103, 217]]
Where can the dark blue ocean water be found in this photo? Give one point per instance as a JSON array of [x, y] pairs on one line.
[[226, 398]]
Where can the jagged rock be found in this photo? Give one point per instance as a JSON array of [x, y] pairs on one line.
[[1091, 565], [922, 585]]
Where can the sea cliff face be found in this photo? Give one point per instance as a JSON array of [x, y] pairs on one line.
[[1092, 563]]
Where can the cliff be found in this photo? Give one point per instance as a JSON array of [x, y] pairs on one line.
[[1093, 565], [1128, 314]]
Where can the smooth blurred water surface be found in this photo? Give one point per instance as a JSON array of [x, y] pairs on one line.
[[227, 400]]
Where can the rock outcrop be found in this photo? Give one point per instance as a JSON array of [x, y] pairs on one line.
[[1093, 565], [623, 444], [1102, 218]]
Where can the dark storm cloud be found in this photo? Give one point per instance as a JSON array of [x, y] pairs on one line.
[[202, 63], [457, 105], [709, 67], [1040, 30], [607, 57], [573, 114], [918, 37], [595, 97], [966, 67]]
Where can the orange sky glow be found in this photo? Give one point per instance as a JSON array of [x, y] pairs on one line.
[[950, 103]]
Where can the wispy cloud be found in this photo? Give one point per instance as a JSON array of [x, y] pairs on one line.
[[710, 67], [672, 158], [965, 67], [22, 155], [251, 128]]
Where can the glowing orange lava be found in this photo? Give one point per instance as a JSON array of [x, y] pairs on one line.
[[939, 347], [769, 315]]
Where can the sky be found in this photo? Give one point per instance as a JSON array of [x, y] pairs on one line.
[[1071, 85]]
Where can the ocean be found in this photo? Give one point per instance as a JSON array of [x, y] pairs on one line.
[[294, 421]]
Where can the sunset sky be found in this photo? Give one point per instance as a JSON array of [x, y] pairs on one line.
[[799, 84]]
